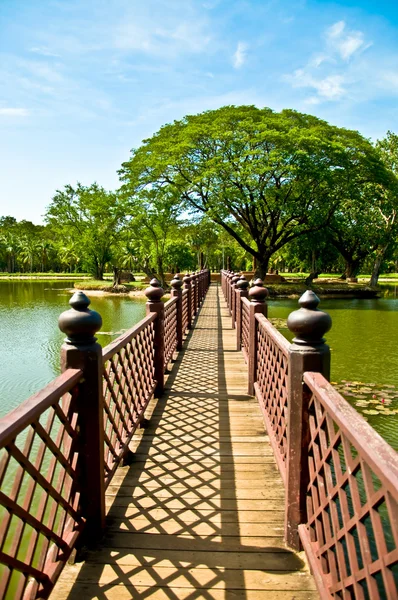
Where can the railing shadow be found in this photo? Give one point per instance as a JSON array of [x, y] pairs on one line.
[[173, 522]]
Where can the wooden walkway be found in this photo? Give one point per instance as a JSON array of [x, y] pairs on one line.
[[200, 512]]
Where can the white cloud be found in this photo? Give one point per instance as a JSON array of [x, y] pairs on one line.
[[43, 51], [328, 88], [329, 71], [345, 43], [163, 40], [240, 55], [14, 112]]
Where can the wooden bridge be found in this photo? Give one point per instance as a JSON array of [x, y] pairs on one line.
[[192, 498]]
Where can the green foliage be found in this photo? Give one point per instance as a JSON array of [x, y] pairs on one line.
[[89, 220], [265, 177]]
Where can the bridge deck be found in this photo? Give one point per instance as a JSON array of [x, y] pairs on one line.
[[199, 514]]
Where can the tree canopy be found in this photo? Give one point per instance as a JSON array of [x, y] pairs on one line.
[[265, 177]]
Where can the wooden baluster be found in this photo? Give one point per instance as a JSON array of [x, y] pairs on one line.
[[257, 295], [154, 293], [234, 281], [81, 351], [176, 292], [241, 292], [307, 353], [187, 286]]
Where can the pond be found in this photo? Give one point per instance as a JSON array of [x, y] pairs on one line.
[[364, 358], [31, 340], [362, 340]]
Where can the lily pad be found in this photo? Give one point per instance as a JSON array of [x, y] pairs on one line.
[[372, 411]]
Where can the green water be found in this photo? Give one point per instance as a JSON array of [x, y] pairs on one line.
[[363, 342], [362, 339], [30, 338]]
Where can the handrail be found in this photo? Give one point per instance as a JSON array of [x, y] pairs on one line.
[[352, 497], [126, 337], [31, 409], [60, 448], [340, 476]]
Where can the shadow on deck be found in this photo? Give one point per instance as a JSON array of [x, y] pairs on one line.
[[200, 512]]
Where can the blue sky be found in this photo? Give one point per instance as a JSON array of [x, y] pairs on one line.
[[84, 81]]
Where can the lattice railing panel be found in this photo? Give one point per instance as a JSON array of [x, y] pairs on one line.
[[39, 488], [128, 385], [185, 315], [272, 385], [352, 499], [245, 327], [193, 301], [170, 330]]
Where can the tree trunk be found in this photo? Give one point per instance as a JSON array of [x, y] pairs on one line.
[[352, 268], [116, 277], [262, 267], [374, 278]]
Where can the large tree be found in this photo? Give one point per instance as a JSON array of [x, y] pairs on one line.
[[90, 219], [273, 176]]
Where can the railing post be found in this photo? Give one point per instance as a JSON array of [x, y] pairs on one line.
[[240, 292], [188, 287], [229, 297], [307, 353], [234, 281], [154, 293], [257, 295], [81, 351], [176, 292]]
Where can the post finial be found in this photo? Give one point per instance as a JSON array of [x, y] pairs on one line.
[[308, 323], [79, 322], [154, 292], [258, 292], [176, 283], [242, 283], [235, 278]]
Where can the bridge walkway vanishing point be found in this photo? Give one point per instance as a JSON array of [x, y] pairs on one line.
[[200, 511]]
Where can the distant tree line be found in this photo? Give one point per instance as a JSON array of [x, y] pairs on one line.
[[283, 190]]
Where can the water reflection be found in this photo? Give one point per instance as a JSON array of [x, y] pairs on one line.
[[30, 338], [363, 345]]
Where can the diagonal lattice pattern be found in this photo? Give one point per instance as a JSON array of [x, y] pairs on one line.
[[352, 499], [199, 513], [185, 316], [170, 330], [272, 385], [128, 385], [39, 488], [245, 327]]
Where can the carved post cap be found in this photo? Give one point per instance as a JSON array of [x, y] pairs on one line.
[[242, 283], [235, 278], [154, 292], [79, 322], [176, 283], [258, 292], [308, 323], [187, 279]]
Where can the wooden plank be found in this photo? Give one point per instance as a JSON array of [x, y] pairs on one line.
[[125, 592], [191, 578], [200, 511], [219, 517]]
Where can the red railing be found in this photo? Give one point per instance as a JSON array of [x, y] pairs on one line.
[[170, 330], [271, 386], [128, 386], [341, 477], [351, 534], [185, 311], [40, 510], [60, 448], [245, 312]]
